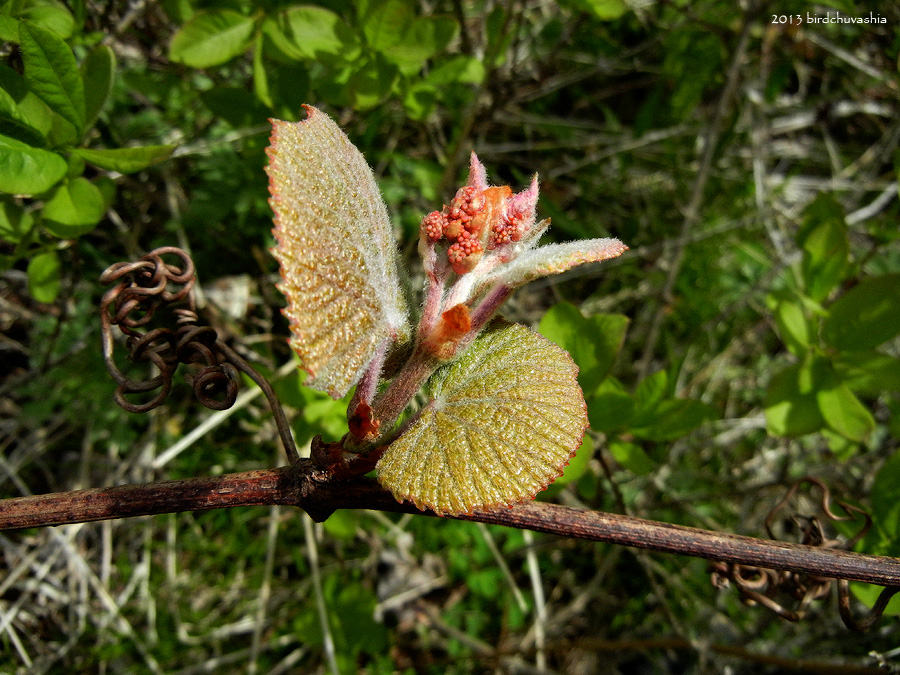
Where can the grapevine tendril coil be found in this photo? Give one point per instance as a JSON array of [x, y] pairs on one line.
[[144, 288]]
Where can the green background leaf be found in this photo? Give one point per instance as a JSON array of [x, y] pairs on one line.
[[126, 160], [823, 239], [15, 222], [52, 74], [98, 74], [44, 277], [866, 316], [593, 342], [791, 405], [28, 170], [868, 372], [211, 38], [308, 32], [610, 407], [74, 208]]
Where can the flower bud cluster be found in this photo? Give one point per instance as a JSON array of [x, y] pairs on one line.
[[479, 218]]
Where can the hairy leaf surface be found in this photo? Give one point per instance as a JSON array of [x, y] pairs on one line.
[[502, 424], [558, 258], [336, 249]]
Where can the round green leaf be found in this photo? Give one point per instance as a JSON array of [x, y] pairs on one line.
[[28, 170], [211, 38], [605, 10], [43, 277], [502, 423], [14, 123], [457, 70], [823, 238], [29, 109], [74, 209]]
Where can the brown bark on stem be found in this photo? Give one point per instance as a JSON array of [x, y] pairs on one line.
[[319, 494]]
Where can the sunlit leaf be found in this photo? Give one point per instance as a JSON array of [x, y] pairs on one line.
[[74, 208], [211, 38], [50, 14], [52, 74], [501, 425], [336, 250], [843, 412], [14, 124], [29, 109], [457, 70], [605, 10], [28, 170], [308, 32], [792, 324]]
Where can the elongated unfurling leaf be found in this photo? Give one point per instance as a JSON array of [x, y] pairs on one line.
[[556, 259], [502, 423], [336, 249]]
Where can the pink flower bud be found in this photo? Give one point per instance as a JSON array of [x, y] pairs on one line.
[[434, 224]]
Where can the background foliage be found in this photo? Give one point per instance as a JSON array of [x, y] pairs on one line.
[[748, 338]]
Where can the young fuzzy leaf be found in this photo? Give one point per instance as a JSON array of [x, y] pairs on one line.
[[502, 424], [336, 250], [557, 258]]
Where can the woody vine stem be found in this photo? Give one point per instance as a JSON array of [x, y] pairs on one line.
[[306, 486]]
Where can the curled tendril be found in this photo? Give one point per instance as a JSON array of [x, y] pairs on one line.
[[142, 289], [760, 586]]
